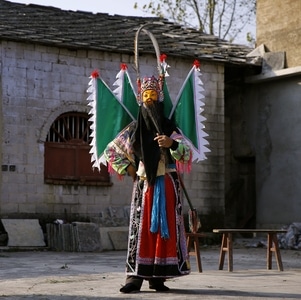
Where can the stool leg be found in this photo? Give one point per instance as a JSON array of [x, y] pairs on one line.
[[277, 252], [269, 251], [230, 252], [188, 243], [195, 241], [197, 253], [223, 252]]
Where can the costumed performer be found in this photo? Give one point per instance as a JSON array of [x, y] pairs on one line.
[[150, 150]]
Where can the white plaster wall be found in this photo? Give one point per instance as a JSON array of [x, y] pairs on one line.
[[39, 83]]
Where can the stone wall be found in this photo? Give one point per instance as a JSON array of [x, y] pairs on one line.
[[272, 116], [39, 83], [279, 28]]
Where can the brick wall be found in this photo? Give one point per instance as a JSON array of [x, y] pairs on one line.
[[39, 83], [279, 28]]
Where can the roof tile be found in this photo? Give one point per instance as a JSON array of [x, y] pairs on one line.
[[104, 32]]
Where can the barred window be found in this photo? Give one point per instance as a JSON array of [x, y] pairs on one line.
[[67, 158]]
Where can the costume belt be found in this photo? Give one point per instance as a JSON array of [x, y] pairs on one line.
[[158, 217]]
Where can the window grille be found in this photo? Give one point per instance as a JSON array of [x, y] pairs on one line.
[[67, 157]]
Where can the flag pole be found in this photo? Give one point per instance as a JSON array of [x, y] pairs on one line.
[[185, 192]]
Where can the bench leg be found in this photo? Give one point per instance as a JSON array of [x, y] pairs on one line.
[[230, 252], [196, 252], [226, 246], [222, 252], [273, 246]]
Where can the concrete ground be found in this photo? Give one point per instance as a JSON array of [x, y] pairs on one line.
[[46, 275]]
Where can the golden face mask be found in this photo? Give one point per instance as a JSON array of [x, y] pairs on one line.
[[149, 96]]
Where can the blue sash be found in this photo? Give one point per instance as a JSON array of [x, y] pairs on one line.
[[159, 208]]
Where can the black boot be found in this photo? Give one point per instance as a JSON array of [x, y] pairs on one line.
[[132, 284], [129, 288], [158, 285]]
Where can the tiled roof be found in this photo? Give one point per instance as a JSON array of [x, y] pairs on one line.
[[84, 30]]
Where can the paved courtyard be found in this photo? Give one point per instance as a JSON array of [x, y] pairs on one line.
[[46, 275]]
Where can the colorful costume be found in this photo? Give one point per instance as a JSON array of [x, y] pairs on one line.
[[154, 254], [158, 142]]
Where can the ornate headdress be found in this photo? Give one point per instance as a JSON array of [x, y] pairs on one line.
[[152, 82], [149, 83]]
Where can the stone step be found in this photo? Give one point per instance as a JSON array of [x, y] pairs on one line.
[[86, 237]]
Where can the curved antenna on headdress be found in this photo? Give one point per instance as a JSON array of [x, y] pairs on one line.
[[155, 44]]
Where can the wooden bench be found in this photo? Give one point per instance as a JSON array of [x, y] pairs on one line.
[[227, 246], [192, 238]]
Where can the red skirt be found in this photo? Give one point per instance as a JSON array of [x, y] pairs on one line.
[[150, 255]]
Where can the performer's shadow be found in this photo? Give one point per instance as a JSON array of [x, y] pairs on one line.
[[228, 293]]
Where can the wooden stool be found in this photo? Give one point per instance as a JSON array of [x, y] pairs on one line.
[[192, 237]]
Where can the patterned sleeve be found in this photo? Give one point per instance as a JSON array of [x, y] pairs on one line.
[[118, 153], [182, 154]]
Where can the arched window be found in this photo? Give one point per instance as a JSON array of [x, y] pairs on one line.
[[67, 158]]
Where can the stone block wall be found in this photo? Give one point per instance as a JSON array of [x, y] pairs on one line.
[[39, 83], [279, 28]]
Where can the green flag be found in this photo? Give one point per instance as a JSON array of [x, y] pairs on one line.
[[109, 117], [125, 92], [187, 113]]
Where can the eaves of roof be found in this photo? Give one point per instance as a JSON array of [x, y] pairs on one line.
[[115, 33]]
